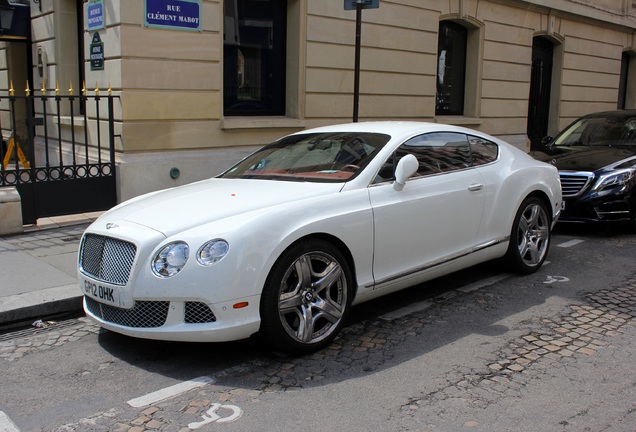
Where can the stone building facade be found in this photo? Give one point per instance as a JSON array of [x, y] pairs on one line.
[[200, 83]]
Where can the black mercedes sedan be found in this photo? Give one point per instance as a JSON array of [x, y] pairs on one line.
[[596, 158]]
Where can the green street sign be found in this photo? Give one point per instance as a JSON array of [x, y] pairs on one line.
[[97, 53]]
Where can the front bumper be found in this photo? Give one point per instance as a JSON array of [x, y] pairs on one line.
[[200, 304], [185, 321], [598, 211]]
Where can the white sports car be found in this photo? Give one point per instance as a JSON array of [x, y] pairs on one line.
[[286, 241]]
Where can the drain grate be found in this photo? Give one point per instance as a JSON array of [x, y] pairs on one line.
[[32, 331]]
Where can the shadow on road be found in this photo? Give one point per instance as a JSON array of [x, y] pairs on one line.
[[370, 342]]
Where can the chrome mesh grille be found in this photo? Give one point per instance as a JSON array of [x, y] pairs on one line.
[[573, 184], [197, 312], [107, 259], [145, 314]]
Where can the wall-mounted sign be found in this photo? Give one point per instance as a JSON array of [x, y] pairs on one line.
[[364, 4], [173, 14], [97, 53], [95, 15]]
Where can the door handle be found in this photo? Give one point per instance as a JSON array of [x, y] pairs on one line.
[[475, 187]]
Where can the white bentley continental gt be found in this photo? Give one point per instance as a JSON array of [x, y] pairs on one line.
[[282, 244]]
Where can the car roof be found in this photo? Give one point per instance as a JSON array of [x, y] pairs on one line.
[[392, 128], [617, 114]]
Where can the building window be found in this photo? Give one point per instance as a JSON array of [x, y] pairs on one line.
[[451, 68], [626, 96], [254, 57]]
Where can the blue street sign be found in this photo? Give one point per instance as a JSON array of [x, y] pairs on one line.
[[95, 15], [365, 4], [174, 14]]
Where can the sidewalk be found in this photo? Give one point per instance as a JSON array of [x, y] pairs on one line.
[[38, 269]]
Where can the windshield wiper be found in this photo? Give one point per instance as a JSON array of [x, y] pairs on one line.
[[570, 144]]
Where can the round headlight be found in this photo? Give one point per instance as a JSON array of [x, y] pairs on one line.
[[212, 252], [170, 259]]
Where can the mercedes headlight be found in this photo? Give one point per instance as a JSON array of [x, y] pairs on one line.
[[614, 178], [170, 259], [212, 252]]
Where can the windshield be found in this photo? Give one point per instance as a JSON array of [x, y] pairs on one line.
[[599, 131], [322, 157]]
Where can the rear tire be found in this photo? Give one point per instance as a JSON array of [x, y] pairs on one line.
[[530, 236], [307, 297]]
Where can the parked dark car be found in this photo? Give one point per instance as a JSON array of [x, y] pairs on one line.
[[596, 158]]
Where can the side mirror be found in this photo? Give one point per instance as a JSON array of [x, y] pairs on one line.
[[545, 142], [406, 167]]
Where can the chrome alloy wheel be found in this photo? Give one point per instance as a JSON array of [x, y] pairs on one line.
[[533, 234], [313, 297]]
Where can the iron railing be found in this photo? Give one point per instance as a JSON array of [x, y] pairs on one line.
[[56, 171]]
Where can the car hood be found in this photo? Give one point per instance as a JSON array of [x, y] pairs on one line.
[[584, 158], [174, 210]]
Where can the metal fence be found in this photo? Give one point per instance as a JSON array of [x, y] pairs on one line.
[[64, 161]]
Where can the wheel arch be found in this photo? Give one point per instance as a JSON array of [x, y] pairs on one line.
[[272, 329], [329, 238], [527, 250], [545, 199]]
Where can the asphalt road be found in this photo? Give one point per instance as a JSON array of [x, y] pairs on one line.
[[482, 350]]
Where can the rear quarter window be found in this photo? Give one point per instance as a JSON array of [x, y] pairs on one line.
[[483, 151]]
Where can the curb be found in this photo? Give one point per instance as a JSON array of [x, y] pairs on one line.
[[47, 302]]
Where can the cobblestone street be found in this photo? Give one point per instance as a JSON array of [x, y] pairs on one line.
[[580, 332], [317, 216]]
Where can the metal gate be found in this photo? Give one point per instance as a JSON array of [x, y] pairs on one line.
[[69, 166]]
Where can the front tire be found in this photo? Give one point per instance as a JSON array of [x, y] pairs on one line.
[[530, 236], [306, 298], [631, 226]]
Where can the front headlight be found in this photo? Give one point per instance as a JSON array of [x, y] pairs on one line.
[[614, 178], [212, 252], [170, 259]]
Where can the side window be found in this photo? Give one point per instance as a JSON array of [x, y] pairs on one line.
[[483, 151], [436, 153]]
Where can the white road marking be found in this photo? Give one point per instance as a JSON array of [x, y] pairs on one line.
[[6, 425], [407, 310], [169, 392], [570, 243], [483, 283], [211, 416], [553, 279]]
